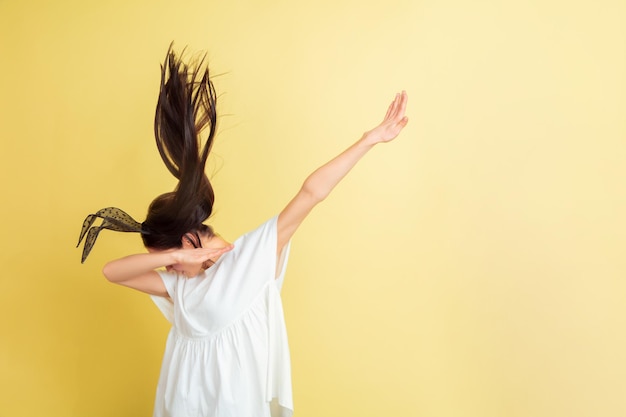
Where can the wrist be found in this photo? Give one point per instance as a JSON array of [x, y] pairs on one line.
[[368, 139], [173, 256]]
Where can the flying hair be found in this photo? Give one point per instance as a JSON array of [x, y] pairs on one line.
[[185, 109]]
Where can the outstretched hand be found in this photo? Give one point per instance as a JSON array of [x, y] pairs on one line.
[[393, 123], [323, 180]]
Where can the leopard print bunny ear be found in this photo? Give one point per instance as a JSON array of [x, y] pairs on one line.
[[112, 219]]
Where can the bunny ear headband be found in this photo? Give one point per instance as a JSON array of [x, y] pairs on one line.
[[112, 219]]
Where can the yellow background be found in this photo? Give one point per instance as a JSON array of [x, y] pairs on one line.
[[474, 267]]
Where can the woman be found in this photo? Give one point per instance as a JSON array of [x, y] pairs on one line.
[[227, 352]]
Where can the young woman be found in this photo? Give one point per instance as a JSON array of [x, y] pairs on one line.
[[227, 352]]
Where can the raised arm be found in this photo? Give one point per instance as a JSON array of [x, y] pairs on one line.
[[320, 183]]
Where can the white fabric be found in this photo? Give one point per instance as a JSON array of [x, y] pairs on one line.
[[227, 353]]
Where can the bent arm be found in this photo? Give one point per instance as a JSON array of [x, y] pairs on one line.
[[321, 182], [138, 272]]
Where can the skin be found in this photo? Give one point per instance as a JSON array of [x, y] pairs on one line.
[[139, 271]]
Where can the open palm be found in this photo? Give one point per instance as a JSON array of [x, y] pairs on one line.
[[394, 120]]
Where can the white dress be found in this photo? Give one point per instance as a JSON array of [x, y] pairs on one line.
[[227, 353]]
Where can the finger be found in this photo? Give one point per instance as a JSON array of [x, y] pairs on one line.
[[199, 254], [226, 248], [400, 105], [219, 251], [396, 104], [403, 100], [403, 122], [388, 112], [394, 112], [389, 109], [209, 257]]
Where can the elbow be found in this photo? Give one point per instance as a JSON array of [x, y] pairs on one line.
[[108, 273], [314, 194]]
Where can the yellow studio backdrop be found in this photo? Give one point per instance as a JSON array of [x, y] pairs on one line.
[[474, 267]]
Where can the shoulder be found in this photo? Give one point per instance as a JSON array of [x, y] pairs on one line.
[[260, 241], [170, 279], [265, 232]]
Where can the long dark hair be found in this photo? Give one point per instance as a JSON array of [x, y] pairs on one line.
[[185, 107]]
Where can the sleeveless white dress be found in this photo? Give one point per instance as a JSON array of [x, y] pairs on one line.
[[227, 353]]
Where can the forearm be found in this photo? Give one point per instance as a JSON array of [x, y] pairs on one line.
[[322, 181], [132, 266]]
